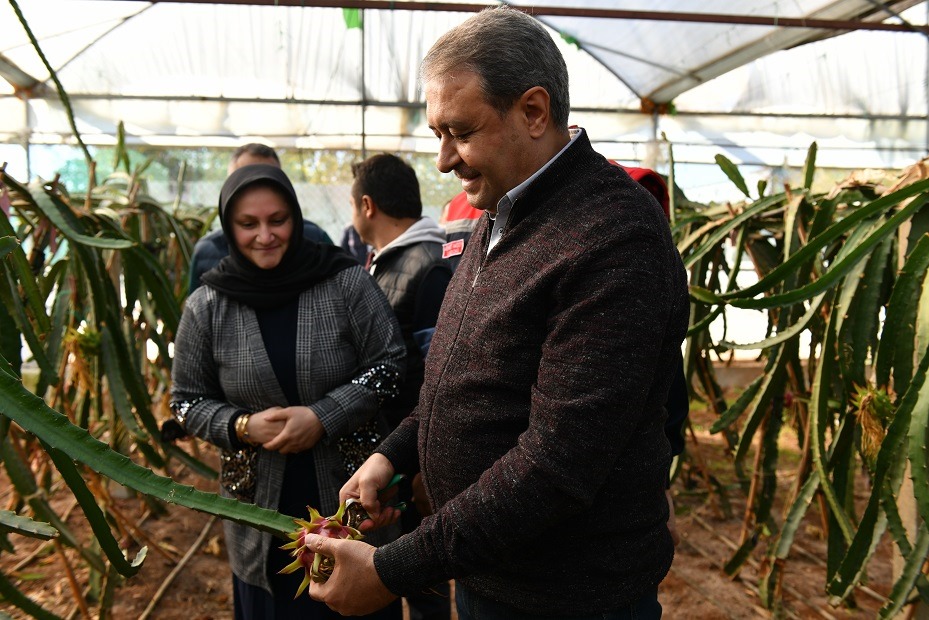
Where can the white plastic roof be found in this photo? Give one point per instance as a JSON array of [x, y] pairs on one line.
[[196, 74]]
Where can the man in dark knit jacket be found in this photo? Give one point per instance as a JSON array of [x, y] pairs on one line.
[[539, 429]]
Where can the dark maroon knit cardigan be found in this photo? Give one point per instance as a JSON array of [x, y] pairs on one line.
[[539, 428]]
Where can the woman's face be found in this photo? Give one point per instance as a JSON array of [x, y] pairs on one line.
[[262, 226]]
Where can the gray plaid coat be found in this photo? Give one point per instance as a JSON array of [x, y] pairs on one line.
[[346, 333]]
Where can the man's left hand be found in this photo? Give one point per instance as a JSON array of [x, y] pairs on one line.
[[354, 589]]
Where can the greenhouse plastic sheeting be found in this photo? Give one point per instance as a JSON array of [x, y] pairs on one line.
[[218, 75]]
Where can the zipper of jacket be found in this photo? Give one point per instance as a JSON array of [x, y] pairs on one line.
[[480, 266], [490, 234]]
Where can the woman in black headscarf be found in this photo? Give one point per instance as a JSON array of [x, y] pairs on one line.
[[282, 361]]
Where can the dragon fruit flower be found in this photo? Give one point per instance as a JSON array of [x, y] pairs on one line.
[[316, 567]]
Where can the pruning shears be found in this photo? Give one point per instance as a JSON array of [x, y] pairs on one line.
[[355, 513]]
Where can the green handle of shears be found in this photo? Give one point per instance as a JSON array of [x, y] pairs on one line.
[[394, 481]]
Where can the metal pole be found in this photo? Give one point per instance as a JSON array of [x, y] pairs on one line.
[[26, 140], [364, 92], [668, 16], [652, 155]]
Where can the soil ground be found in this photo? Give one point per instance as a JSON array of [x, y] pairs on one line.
[[696, 587]]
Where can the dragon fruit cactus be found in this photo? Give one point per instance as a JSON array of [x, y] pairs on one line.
[[316, 567]]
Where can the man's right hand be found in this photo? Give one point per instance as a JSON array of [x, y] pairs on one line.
[[371, 477]]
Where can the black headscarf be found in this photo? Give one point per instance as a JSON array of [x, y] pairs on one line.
[[304, 262]]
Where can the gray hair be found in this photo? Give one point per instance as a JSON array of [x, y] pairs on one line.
[[510, 52]]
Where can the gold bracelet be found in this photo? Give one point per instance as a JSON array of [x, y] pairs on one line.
[[241, 429]]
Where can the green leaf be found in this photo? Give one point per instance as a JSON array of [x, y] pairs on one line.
[[809, 167], [853, 278], [7, 245], [867, 537], [835, 231], [12, 522], [9, 296], [19, 266], [890, 491], [736, 409], [771, 385], [896, 346], [818, 417], [858, 336], [113, 371], [789, 333], [61, 310], [912, 569], [63, 218], [48, 280], [121, 155], [843, 464], [741, 554], [35, 416], [11, 594], [725, 227], [152, 273], [707, 320], [95, 517], [570, 40], [770, 455], [126, 375], [704, 295], [791, 238], [733, 173], [836, 271], [762, 186], [777, 553], [918, 436], [11, 341]]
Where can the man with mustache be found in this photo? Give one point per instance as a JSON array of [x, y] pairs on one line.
[[539, 429]]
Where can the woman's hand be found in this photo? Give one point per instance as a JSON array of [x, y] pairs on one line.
[[261, 429], [300, 429]]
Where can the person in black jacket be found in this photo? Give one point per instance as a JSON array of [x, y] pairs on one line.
[[407, 264]]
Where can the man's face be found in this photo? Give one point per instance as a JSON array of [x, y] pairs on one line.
[[489, 153]]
